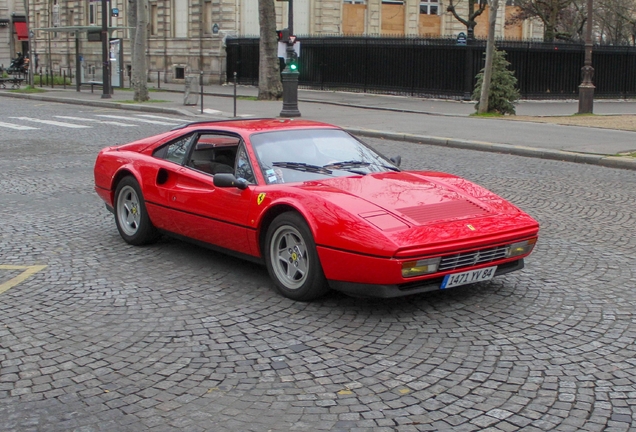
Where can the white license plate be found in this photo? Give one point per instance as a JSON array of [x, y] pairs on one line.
[[468, 277]]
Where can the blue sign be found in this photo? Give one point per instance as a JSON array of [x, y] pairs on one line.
[[115, 12], [461, 38]]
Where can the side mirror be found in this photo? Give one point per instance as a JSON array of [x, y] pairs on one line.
[[397, 160], [225, 180]]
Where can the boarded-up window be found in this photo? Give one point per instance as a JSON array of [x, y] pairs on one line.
[[392, 17], [481, 29], [353, 17], [515, 29], [430, 23]]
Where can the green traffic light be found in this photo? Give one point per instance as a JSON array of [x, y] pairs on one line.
[[293, 66]]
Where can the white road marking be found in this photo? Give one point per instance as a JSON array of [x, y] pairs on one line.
[[224, 114], [139, 120], [164, 118], [114, 123], [15, 126], [52, 122]]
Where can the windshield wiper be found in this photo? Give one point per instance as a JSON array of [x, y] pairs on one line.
[[301, 166], [347, 164]]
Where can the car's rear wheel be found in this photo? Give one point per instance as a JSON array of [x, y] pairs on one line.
[[292, 260], [131, 216]]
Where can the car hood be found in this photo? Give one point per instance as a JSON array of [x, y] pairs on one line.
[[413, 209]]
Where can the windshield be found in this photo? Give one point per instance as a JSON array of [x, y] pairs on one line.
[[310, 154]]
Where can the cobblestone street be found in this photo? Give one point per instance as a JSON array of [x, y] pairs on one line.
[[173, 337]]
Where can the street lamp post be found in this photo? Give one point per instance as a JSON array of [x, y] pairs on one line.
[[290, 74], [586, 89], [105, 52]]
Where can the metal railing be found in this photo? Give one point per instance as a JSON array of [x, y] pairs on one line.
[[440, 67]]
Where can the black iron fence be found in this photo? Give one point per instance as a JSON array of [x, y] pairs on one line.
[[441, 68]]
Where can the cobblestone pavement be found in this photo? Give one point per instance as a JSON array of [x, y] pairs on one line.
[[110, 337]]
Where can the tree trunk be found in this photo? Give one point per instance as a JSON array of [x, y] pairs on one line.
[[490, 47], [139, 71], [132, 23], [269, 83]]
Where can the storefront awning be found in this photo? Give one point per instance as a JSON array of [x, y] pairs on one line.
[[22, 30]]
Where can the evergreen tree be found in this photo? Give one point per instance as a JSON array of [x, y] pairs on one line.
[[503, 86]]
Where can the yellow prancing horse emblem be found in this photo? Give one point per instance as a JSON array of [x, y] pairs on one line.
[[260, 198], [470, 227]]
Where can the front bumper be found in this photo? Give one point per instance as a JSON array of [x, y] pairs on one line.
[[389, 291]]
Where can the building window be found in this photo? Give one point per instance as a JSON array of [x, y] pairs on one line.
[[154, 20], [207, 17], [91, 14], [353, 1], [180, 18], [395, 2], [429, 7]]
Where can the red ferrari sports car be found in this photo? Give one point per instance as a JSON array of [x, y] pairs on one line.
[[316, 205]]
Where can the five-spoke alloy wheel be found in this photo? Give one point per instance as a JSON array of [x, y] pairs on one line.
[[131, 217], [292, 260]]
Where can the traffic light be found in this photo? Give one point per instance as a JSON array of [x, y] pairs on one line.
[[293, 62], [283, 35]]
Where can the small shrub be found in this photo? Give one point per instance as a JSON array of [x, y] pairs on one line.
[[503, 86]]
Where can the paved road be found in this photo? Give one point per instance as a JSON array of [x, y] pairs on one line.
[[447, 124], [172, 337]]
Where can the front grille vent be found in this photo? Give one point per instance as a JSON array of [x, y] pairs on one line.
[[469, 259]]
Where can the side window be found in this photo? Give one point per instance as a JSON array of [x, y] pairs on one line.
[[243, 166], [213, 153], [176, 151]]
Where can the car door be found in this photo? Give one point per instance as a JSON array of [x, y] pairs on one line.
[[196, 208]]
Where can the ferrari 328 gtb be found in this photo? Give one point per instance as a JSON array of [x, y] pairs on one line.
[[313, 203]]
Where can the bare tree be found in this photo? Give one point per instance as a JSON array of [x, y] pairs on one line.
[[559, 17], [139, 20], [269, 83], [615, 21], [490, 47], [469, 21]]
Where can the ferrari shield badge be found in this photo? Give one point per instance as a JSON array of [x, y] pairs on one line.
[[260, 198]]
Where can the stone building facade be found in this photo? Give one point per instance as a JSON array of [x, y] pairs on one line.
[[13, 30], [187, 36]]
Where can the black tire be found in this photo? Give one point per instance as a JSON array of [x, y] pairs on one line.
[[292, 260], [131, 216]]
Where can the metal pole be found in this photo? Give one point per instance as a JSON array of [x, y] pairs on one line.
[[586, 89], [289, 76], [234, 94], [78, 65], [105, 54], [201, 86]]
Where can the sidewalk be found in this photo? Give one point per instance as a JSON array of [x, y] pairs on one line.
[[436, 122]]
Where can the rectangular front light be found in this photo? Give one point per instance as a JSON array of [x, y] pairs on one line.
[[520, 248], [420, 267]]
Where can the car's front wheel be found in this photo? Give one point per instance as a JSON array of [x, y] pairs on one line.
[[292, 260], [131, 217]]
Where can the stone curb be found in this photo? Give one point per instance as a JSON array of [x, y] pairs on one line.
[[592, 159], [100, 103]]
